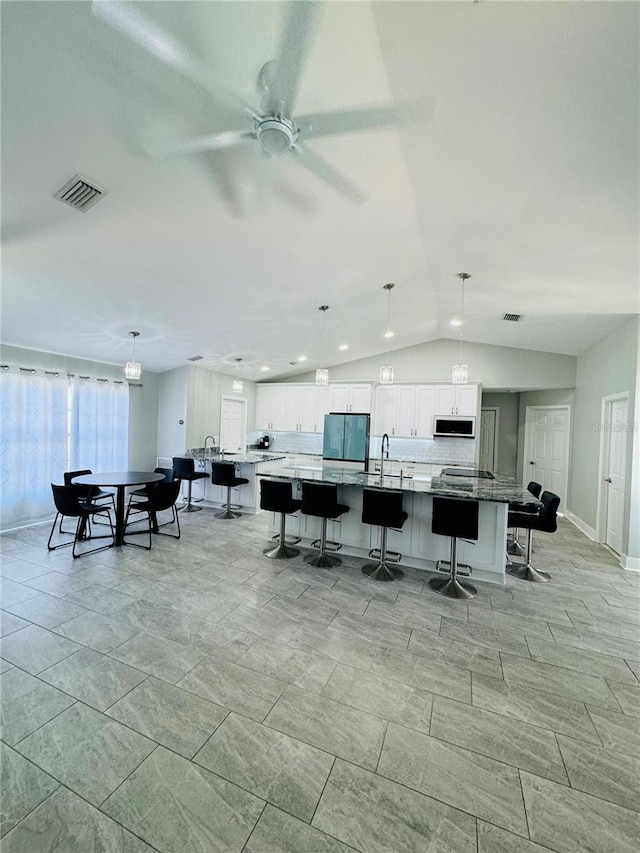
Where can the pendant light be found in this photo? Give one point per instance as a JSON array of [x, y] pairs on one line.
[[238, 385], [322, 374], [386, 371], [460, 371], [133, 369]]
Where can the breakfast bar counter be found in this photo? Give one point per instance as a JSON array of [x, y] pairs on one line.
[[419, 547]]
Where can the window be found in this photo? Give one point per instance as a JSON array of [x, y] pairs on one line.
[[50, 425]]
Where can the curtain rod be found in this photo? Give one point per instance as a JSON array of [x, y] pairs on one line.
[[32, 371]]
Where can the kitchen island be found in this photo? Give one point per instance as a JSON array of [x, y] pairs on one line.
[[419, 547], [248, 465]]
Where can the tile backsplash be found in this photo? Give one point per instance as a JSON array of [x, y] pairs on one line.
[[441, 449]]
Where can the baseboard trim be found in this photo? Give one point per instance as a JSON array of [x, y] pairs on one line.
[[630, 564], [582, 526]]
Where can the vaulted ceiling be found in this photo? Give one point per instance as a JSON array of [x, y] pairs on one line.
[[523, 171]]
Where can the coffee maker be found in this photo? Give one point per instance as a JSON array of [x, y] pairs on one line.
[[264, 442]]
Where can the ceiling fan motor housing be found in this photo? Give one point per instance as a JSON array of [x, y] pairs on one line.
[[276, 134]]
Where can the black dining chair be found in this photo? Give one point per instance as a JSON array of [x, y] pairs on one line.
[[169, 476], [70, 503], [162, 496], [91, 494]]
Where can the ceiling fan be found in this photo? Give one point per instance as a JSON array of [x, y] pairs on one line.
[[272, 125]]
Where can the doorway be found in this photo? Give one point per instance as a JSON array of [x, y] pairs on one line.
[[546, 448], [613, 459], [489, 439], [233, 423]]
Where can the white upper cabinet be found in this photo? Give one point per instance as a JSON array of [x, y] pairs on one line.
[[456, 400], [404, 410], [350, 397], [271, 407], [291, 408]]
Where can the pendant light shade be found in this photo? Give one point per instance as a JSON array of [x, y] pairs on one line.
[[133, 369], [322, 374], [460, 371], [386, 371], [238, 385]]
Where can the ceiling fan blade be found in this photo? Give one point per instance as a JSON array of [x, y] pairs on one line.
[[147, 35], [316, 164], [212, 142], [363, 118], [299, 30]]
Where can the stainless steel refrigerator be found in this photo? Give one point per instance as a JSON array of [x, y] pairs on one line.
[[346, 437]]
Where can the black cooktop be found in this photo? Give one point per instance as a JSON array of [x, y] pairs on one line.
[[467, 472]]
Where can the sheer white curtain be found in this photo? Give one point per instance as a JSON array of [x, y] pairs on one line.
[[33, 434], [99, 426], [50, 425]]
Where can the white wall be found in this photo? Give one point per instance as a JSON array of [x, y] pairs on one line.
[[498, 368], [192, 394], [143, 401], [608, 367], [508, 407]]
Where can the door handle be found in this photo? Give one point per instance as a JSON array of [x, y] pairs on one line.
[[607, 479]]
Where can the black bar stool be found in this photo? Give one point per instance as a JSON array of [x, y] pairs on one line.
[[514, 548], [546, 520], [383, 508], [224, 474], [459, 520], [321, 500], [185, 469], [277, 496]]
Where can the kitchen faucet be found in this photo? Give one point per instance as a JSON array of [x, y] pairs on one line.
[[385, 440], [213, 439]]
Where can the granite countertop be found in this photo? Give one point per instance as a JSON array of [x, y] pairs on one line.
[[250, 458], [502, 489]]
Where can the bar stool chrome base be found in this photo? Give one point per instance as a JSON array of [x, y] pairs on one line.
[[281, 551], [515, 549], [226, 513], [526, 572], [322, 560], [452, 588], [189, 507], [382, 571]]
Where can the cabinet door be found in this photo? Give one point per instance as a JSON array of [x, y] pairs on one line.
[[467, 403], [425, 410], [339, 397], [291, 419], [384, 416], [361, 399], [308, 408], [263, 407], [405, 410], [278, 407], [445, 400]]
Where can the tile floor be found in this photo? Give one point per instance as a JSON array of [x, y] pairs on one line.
[[202, 698]]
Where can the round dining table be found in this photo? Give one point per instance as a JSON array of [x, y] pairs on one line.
[[119, 480]]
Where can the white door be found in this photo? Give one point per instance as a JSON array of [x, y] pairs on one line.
[[615, 474], [488, 440], [547, 448], [232, 424]]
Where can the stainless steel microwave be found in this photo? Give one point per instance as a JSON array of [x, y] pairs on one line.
[[455, 427]]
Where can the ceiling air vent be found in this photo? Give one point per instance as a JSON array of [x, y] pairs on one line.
[[195, 358], [512, 318], [80, 193]]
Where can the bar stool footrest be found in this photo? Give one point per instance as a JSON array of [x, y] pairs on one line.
[[390, 557], [445, 566], [328, 546], [289, 540]]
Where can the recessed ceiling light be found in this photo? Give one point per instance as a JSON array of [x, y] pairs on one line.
[[302, 358], [389, 334], [456, 323], [264, 369], [343, 347]]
